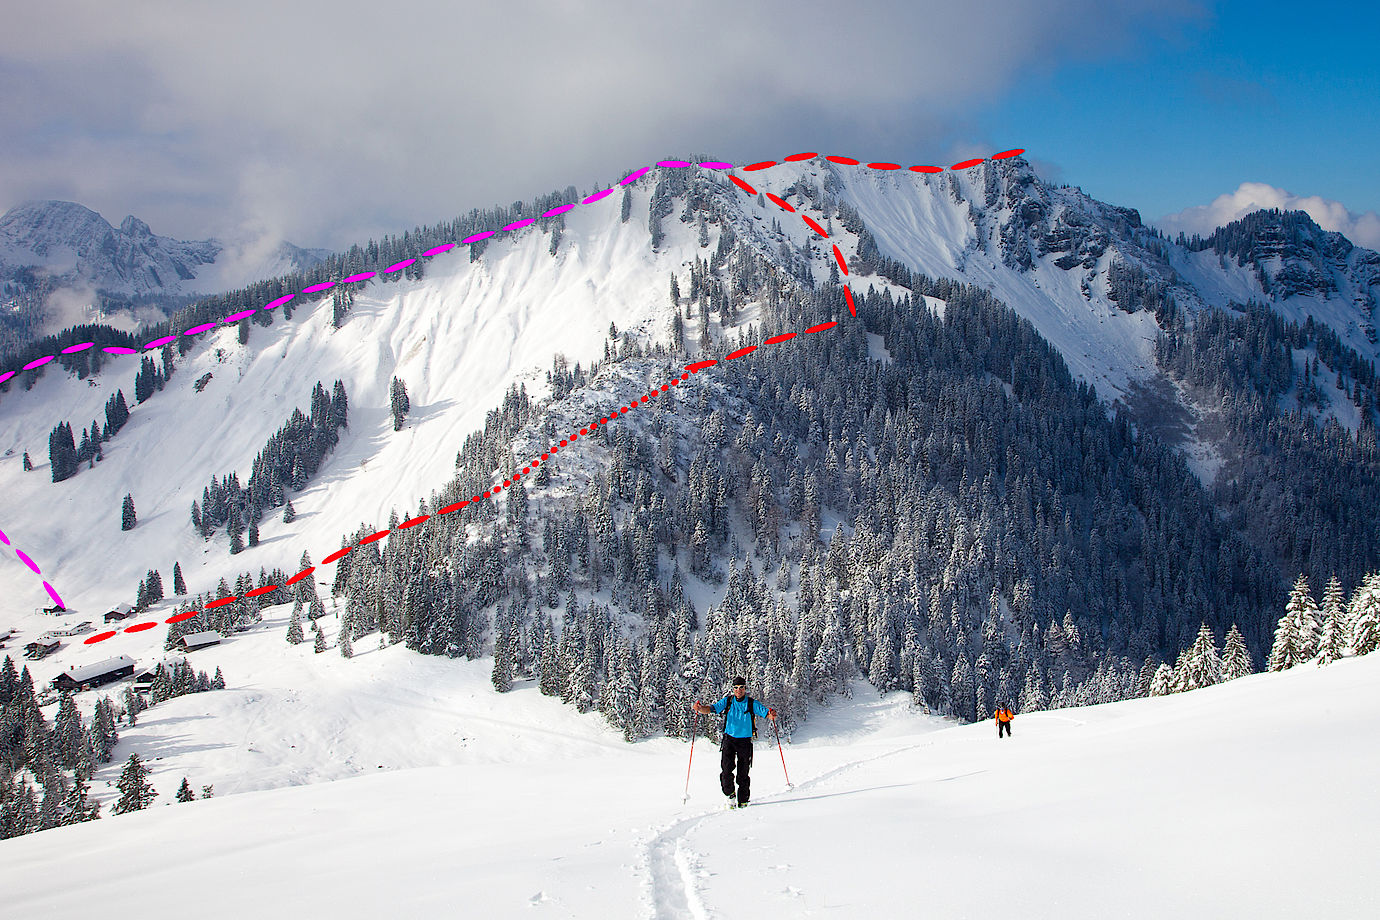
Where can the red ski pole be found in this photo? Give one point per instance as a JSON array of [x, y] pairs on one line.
[[693, 733], [783, 755]]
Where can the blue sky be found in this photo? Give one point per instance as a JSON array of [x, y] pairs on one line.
[[1281, 93], [327, 122]]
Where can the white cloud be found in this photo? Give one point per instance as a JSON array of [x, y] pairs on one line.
[[328, 121], [1361, 229]]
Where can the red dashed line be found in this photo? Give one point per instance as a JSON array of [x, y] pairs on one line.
[[693, 368], [742, 185], [780, 203], [305, 573]]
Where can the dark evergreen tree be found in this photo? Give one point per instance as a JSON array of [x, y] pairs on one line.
[[135, 792], [62, 452], [179, 585], [127, 516], [399, 403], [28, 464], [184, 792]]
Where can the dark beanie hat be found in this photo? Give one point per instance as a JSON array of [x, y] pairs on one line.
[[739, 682]]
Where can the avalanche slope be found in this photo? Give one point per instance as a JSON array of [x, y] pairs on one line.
[[458, 338]]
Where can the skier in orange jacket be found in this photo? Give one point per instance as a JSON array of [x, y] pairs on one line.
[[1004, 717]]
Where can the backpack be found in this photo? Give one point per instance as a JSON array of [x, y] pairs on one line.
[[752, 713]]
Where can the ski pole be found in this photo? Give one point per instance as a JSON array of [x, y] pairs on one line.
[[783, 755], [693, 733]]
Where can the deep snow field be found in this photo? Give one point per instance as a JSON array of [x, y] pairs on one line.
[[397, 784]]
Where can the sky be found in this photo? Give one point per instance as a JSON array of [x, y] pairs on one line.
[[325, 124]]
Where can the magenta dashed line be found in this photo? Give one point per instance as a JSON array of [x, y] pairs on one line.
[[33, 566], [365, 276]]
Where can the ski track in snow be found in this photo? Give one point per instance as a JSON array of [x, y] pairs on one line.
[[670, 864], [693, 368]]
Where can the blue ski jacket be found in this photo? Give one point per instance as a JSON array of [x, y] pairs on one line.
[[739, 723]]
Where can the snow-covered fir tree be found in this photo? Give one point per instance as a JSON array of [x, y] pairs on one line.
[[1293, 636], [136, 793], [1236, 658]]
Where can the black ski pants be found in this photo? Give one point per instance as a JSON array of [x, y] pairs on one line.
[[1004, 727], [739, 749]]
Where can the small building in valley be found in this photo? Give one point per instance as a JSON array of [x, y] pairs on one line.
[[95, 674]]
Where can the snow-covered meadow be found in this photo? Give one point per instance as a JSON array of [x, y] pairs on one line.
[[393, 782]]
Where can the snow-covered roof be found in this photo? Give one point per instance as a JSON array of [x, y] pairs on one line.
[[88, 671], [202, 638]]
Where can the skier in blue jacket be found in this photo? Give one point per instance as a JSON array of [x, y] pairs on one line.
[[738, 732]]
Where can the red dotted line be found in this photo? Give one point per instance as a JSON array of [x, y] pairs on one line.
[[508, 483], [693, 368]]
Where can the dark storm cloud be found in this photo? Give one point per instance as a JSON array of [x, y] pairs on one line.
[[326, 122]]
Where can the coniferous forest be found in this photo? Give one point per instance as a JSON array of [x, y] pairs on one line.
[[963, 521]]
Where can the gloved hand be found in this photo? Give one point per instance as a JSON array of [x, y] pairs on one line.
[[771, 714]]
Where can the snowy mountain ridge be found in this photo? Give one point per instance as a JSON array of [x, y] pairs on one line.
[[461, 334], [520, 307]]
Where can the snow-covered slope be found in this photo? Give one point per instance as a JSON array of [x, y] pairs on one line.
[[458, 339], [1250, 798]]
